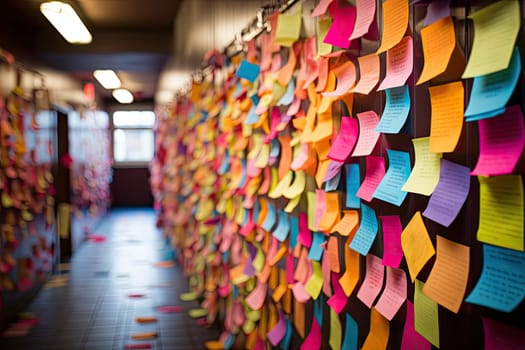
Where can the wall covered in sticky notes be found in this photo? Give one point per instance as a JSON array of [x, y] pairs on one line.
[[358, 185]]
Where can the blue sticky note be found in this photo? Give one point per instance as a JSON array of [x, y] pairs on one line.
[[353, 182], [367, 231], [270, 218], [288, 95], [243, 174], [350, 337], [490, 93], [248, 71], [480, 116], [294, 231], [252, 117], [287, 339], [225, 164], [397, 106], [389, 189], [316, 251], [501, 285], [333, 183], [256, 211], [283, 227], [318, 309], [275, 150]]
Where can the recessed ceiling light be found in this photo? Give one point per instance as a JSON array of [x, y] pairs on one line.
[[107, 78], [123, 96], [66, 21]]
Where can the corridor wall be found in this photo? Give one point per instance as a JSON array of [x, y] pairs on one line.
[[324, 192]]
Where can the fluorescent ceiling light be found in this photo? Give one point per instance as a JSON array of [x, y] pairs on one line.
[[107, 78], [66, 22], [123, 96]]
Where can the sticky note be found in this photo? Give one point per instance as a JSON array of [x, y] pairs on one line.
[[377, 338], [278, 331], [367, 135], [394, 294], [257, 296], [395, 22], [342, 26], [348, 224], [436, 11], [375, 171], [502, 336], [395, 114], [426, 319], [392, 250], [366, 10], [369, 70], [501, 141], [351, 274], [351, 334], [313, 339], [389, 189], [288, 27], [248, 71], [439, 41], [501, 211], [448, 279], [332, 213], [411, 339], [297, 187], [321, 8], [335, 331], [315, 283], [500, 285], [346, 77], [490, 93], [446, 121], [344, 142], [338, 300], [417, 246], [316, 251], [425, 174], [450, 193], [353, 183], [283, 227], [399, 64], [373, 280], [323, 25], [367, 232], [495, 30]]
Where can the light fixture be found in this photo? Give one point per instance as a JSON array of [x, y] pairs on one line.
[[123, 96], [66, 21], [107, 78]]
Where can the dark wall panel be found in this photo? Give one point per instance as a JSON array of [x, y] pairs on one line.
[[130, 187]]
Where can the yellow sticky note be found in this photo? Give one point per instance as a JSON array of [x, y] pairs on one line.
[[416, 244], [315, 283], [501, 211], [377, 338], [281, 186], [323, 25], [335, 330], [297, 186], [395, 22], [495, 30], [448, 279], [263, 157], [292, 204], [438, 40], [447, 105], [311, 199], [425, 174], [288, 27], [426, 321]]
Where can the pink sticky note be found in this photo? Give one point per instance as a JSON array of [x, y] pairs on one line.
[[345, 141], [346, 77], [501, 336], [290, 268], [399, 64], [276, 334], [321, 8], [305, 235], [412, 340], [375, 171], [392, 251], [501, 141], [373, 280], [256, 298], [366, 10], [300, 293], [338, 300], [395, 293], [320, 206], [313, 339], [170, 309], [368, 136], [342, 27], [136, 295]]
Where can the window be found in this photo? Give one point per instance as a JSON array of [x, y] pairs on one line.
[[133, 136]]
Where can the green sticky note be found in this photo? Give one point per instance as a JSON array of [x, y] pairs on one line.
[[426, 315], [335, 330]]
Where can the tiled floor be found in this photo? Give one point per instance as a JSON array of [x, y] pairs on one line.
[[94, 310]]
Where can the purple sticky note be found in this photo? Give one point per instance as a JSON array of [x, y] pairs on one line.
[[392, 251], [342, 27], [450, 193], [437, 10], [501, 336], [276, 334]]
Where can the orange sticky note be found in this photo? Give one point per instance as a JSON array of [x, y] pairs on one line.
[[377, 338], [285, 73], [369, 69], [346, 76], [349, 279], [446, 121], [348, 224], [332, 213], [448, 279], [144, 336], [332, 248], [439, 40], [395, 22], [416, 244], [285, 155]]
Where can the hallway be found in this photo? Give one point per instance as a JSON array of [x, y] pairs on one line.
[[112, 281]]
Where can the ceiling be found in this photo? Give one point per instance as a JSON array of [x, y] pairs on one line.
[[153, 45]]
